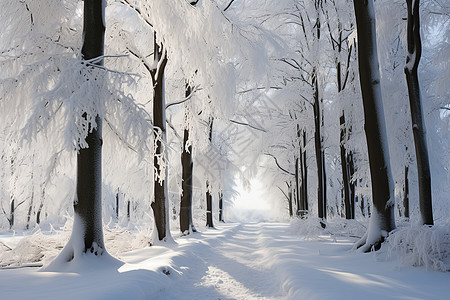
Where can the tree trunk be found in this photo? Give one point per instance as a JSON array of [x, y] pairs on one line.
[[418, 125], [304, 177], [347, 173], [41, 205], [11, 214], [382, 218], [88, 203], [87, 232], [291, 210], [117, 204], [406, 194], [159, 205], [221, 207], [128, 210], [320, 154], [186, 224], [30, 207], [297, 187], [209, 217]]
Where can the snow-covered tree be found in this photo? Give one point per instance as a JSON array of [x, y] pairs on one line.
[[382, 220]]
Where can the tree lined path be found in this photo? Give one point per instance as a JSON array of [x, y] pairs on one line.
[[233, 261], [265, 261]]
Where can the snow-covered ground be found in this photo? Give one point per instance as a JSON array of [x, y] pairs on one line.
[[233, 261]]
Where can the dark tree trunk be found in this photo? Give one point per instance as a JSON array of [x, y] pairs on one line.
[[159, 120], [221, 207], [345, 129], [11, 214], [88, 203], [291, 210], [30, 208], [209, 216], [186, 224], [320, 154], [41, 205], [12, 206], [406, 194], [117, 204], [375, 128], [418, 125], [347, 173], [351, 168], [304, 176], [297, 187], [128, 210]]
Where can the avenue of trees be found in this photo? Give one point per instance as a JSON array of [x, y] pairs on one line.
[[147, 111]]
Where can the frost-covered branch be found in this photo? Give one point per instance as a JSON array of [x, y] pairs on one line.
[[196, 88]]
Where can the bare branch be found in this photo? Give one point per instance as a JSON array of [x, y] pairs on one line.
[[278, 165], [249, 125], [138, 10], [283, 192], [228, 6]]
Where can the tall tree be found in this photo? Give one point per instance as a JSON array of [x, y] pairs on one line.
[[418, 125], [340, 45], [319, 122], [209, 214], [320, 152], [159, 204], [382, 218], [303, 207], [221, 219], [87, 233], [186, 223]]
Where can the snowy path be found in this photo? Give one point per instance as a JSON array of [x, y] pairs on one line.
[[264, 261], [236, 261]]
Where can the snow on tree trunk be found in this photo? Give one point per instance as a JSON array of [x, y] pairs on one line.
[[186, 223], [320, 154], [221, 219], [304, 177], [87, 231], [382, 217], [209, 215], [160, 202], [418, 126], [347, 172]]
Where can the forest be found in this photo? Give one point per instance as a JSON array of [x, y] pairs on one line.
[[225, 149]]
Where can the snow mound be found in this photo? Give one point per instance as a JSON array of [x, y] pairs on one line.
[[40, 249], [427, 246], [32, 250]]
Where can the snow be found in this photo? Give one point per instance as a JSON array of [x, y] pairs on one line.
[[233, 261]]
